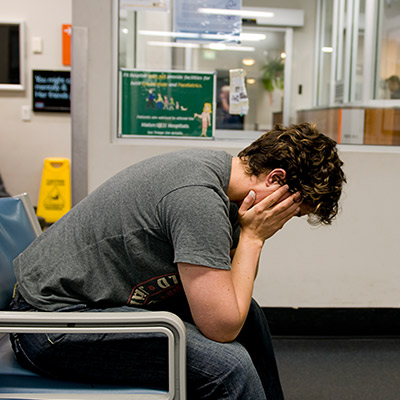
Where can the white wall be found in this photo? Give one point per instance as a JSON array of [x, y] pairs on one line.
[[354, 262], [24, 145]]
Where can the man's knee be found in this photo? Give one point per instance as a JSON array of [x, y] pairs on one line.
[[236, 355], [239, 376], [223, 370]]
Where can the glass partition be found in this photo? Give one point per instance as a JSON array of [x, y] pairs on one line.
[[358, 84], [349, 46], [358, 39], [387, 84], [148, 42], [325, 54]]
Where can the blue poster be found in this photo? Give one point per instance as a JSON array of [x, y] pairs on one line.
[[208, 18]]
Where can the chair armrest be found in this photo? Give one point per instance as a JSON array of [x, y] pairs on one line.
[[30, 213], [110, 322]]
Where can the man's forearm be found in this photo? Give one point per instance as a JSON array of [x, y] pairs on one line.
[[244, 271]]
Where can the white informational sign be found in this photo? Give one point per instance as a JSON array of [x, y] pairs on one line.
[[238, 100], [352, 126], [207, 17], [147, 5]]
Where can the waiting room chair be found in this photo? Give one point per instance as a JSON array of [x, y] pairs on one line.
[[18, 228]]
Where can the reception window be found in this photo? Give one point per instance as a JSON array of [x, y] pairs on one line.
[[357, 96]]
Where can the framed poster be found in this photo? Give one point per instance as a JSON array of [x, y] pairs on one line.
[[166, 104], [51, 91]]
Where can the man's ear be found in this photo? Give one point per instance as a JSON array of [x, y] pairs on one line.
[[277, 175]]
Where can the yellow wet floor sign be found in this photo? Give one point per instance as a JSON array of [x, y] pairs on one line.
[[55, 189]]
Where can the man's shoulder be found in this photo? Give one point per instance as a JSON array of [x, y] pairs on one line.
[[200, 153]]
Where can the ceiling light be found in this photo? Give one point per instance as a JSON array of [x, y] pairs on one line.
[[173, 44], [244, 36], [327, 50], [186, 35], [211, 46], [252, 37], [222, 46], [241, 13], [250, 81], [248, 61], [283, 55], [215, 36], [216, 46]]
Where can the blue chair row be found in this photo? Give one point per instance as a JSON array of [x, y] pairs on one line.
[[18, 228]]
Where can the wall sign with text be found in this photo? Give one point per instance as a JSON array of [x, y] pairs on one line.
[[166, 104], [51, 91]]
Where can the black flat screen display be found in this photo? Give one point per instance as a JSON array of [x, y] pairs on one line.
[[51, 91]]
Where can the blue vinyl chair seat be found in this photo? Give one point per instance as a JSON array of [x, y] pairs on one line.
[[15, 379], [18, 228]]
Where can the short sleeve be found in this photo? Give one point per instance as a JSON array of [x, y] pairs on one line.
[[196, 221]]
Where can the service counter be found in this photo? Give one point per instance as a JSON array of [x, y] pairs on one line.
[[356, 125]]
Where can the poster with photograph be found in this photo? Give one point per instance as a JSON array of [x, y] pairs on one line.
[[211, 19], [166, 104]]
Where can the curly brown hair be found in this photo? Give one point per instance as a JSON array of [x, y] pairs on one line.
[[311, 162]]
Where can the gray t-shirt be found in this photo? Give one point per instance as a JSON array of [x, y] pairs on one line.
[[120, 245]]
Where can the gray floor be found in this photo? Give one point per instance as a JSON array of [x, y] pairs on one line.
[[339, 369]]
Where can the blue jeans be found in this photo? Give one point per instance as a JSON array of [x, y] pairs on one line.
[[243, 369]]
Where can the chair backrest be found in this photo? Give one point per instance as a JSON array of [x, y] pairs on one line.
[[18, 228]]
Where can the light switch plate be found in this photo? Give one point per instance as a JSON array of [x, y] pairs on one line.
[[37, 45], [26, 113]]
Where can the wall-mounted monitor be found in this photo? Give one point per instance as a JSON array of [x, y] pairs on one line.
[[12, 69], [51, 91]]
